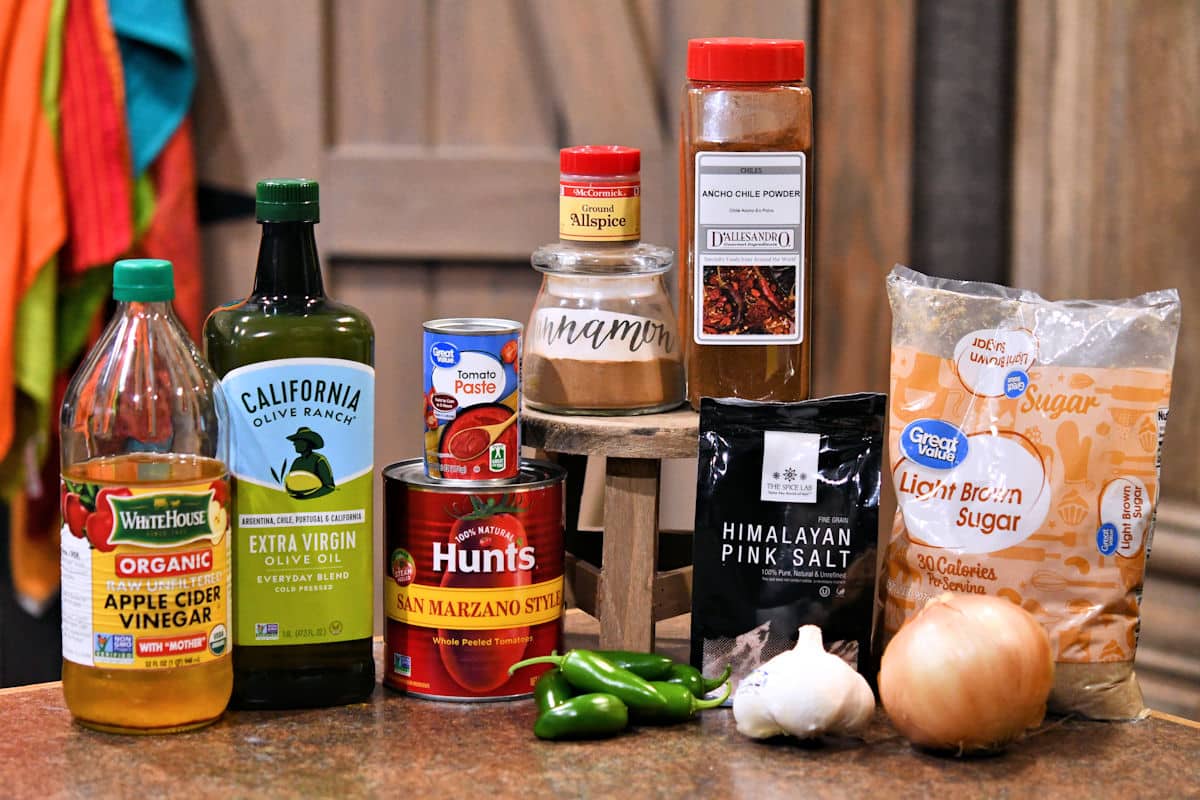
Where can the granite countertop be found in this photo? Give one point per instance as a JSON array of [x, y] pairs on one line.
[[397, 746]]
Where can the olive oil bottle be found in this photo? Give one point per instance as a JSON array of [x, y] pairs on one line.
[[145, 534], [297, 370]]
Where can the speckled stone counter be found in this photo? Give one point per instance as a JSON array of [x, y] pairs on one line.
[[396, 746]]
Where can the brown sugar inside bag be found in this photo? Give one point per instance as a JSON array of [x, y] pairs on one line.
[[1024, 447]]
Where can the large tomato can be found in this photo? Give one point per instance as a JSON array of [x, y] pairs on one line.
[[473, 581], [472, 399]]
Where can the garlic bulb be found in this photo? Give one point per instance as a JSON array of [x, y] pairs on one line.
[[805, 692]]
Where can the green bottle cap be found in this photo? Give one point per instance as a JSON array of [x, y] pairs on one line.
[[143, 280], [287, 200]]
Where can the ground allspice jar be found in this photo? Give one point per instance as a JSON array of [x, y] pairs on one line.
[[746, 220], [602, 337]]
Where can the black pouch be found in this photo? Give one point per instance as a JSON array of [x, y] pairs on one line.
[[787, 514]]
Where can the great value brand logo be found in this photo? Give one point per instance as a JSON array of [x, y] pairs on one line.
[[161, 520], [444, 354], [934, 443], [750, 239]]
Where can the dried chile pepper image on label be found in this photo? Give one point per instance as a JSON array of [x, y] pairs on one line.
[[787, 506]]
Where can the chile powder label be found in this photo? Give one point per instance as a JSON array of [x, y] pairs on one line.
[[473, 582], [787, 507], [472, 397]]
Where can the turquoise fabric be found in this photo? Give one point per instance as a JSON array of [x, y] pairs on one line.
[[160, 71]]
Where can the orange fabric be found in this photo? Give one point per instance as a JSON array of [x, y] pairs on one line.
[[31, 202], [95, 145], [174, 233]]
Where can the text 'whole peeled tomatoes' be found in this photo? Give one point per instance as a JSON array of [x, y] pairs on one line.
[[473, 581]]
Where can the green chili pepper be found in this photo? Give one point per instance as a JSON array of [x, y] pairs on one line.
[[583, 717], [551, 690], [697, 684], [650, 666], [590, 672], [681, 703]]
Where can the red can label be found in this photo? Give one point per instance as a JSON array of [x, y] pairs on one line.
[[473, 584]]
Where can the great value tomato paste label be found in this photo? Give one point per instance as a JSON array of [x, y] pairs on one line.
[[473, 583], [145, 574], [472, 398], [303, 433]]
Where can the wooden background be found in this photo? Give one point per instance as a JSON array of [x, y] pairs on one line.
[[1052, 145]]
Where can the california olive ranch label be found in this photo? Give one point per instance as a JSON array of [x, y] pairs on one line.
[[302, 457]]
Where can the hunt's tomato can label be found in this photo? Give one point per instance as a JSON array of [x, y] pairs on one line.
[[473, 582], [472, 398]]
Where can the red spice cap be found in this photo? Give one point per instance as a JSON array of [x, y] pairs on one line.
[[600, 159], [742, 60]]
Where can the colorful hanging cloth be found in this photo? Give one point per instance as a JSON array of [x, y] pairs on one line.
[[33, 206], [95, 147], [32, 224], [174, 233], [160, 72]]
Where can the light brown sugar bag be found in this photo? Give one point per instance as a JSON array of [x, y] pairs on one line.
[[1024, 447]]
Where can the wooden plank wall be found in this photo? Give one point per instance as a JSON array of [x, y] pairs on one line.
[[863, 161], [1106, 191], [434, 125]]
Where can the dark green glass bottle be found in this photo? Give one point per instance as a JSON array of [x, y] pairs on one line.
[[298, 376]]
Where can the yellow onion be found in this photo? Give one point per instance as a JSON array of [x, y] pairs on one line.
[[967, 673]]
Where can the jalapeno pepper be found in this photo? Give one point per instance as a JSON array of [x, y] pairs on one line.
[[589, 672], [650, 666], [582, 717], [551, 690], [681, 704], [696, 683]]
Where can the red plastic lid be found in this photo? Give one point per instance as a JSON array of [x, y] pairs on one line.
[[742, 60], [606, 159]]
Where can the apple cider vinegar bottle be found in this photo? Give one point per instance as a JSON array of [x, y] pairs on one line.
[[145, 535]]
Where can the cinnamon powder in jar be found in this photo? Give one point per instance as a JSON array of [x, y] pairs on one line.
[[602, 338], [746, 220]]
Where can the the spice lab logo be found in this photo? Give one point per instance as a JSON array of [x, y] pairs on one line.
[[934, 443], [113, 647], [789, 470], [266, 631]]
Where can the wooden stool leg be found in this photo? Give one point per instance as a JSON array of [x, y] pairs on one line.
[[626, 594]]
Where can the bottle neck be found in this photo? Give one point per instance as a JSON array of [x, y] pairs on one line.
[[287, 262], [142, 308]]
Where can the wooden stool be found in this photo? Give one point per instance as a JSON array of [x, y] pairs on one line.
[[627, 594]]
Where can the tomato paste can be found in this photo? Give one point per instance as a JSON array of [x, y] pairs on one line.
[[473, 581], [472, 399]]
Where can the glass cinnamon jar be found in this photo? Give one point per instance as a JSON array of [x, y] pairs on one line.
[[602, 338], [746, 220]]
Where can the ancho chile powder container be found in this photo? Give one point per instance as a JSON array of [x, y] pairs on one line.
[[745, 233]]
